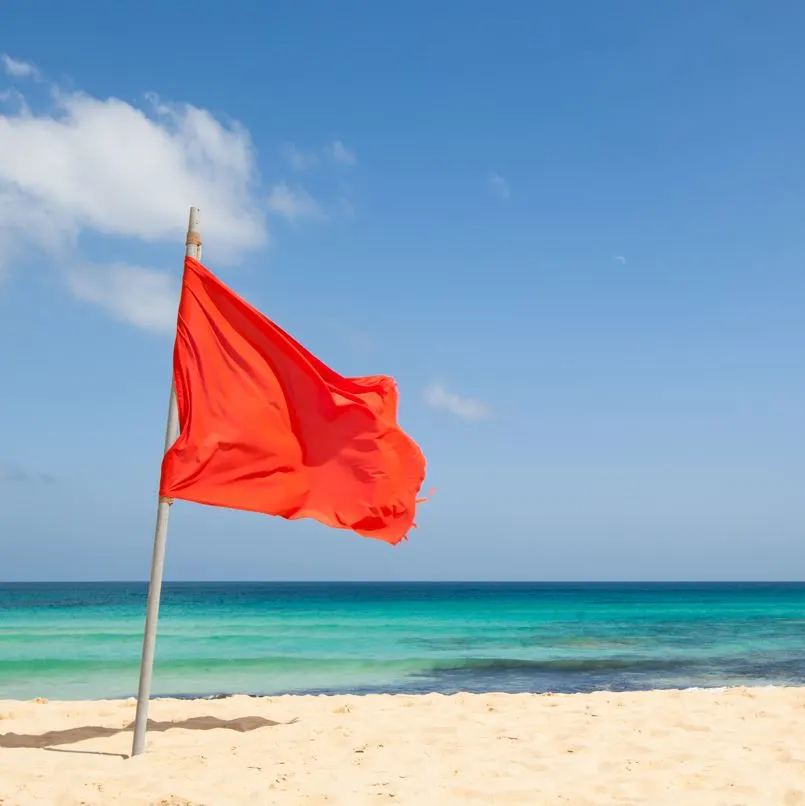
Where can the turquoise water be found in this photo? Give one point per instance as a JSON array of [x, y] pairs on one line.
[[84, 641]]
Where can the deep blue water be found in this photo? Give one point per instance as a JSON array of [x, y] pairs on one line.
[[84, 640]]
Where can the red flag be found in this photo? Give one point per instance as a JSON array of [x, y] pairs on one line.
[[267, 427]]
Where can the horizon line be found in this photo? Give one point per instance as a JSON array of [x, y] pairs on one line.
[[408, 582]]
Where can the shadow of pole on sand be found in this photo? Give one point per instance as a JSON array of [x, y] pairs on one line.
[[46, 741]]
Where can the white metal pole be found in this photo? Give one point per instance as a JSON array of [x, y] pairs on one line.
[[193, 249]]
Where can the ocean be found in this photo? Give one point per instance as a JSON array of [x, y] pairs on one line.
[[83, 641]]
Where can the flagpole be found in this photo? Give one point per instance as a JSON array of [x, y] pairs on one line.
[[192, 249]]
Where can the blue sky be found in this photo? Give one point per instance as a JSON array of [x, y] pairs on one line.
[[572, 231]]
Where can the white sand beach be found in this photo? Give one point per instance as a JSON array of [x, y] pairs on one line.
[[730, 747]]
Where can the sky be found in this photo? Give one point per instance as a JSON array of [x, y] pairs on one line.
[[573, 232]]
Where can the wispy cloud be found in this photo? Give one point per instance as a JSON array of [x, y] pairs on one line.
[[438, 397], [18, 69], [14, 474], [139, 296], [292, 203], [340, 154], [499, 186], [298, 159], [620, 259], [301, 159], [15, 96], [359, 341]]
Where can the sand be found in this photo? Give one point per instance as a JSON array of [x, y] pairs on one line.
[[681, 748]]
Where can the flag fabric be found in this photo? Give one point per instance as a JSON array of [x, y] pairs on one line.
[[267, 427]]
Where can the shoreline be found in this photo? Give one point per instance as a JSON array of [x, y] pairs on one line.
[[702, 747], [718, 689]]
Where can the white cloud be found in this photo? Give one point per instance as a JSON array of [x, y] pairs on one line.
[[500, 186], [88, 165], [620, 259], [107, 166], [18, 69], [292, 203], [340, 154], [298, 159], [438, 397], [142, 297]]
